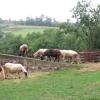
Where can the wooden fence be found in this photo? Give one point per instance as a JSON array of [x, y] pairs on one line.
[[90, 56], [33, 64], [36, 65]]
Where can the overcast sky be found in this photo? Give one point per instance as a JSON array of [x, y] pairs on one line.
[[20, 9]]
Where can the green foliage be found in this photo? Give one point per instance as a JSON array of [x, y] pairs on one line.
[[59, 40], [68, 27], [2, 35], [10, 44], [89, 20], [79, 36]]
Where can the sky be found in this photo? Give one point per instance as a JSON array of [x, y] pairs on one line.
[[20, 9]]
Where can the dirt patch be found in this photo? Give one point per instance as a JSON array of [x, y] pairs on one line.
[[90, 67]]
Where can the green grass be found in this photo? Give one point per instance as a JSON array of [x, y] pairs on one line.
[[24, 30], [69, 84]]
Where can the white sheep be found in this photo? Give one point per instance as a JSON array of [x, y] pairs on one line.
[[73, 55], [39, 53], [13, 68]]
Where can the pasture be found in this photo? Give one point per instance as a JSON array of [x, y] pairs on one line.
[[74, 83], [24, 30]]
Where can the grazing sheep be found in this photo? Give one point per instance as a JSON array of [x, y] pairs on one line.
[[39, 53], [13, 68], [23, 50], [71, 54], [52, 53]]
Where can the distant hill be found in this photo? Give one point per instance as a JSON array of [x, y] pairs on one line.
[[23, 29]]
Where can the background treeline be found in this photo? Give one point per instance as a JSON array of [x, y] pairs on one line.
[[82, 35], [38, 21]]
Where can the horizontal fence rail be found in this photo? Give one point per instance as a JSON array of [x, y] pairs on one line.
[[33, 64], [93, 56], [42, 65]]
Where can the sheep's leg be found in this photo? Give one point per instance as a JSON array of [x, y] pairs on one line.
[[55, 58], [49, 58], [9, 75], [15, 75], [6, 75], [58, 58], [25, 53], [72, 60], [19, 75], [63, 58], [3, 72], [69, 59], [78, 59]]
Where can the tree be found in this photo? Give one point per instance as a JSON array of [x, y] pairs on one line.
[[10, 44], [59, 40], [88, 20]]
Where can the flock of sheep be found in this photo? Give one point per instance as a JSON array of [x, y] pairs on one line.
[[48, 54], [57, 54]]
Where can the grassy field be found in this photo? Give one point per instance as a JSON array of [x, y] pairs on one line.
[[68, 84], [23, 30]]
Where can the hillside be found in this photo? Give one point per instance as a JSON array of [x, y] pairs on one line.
[[23, 29]]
